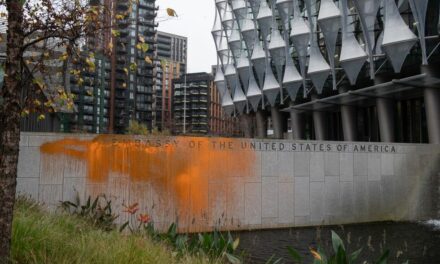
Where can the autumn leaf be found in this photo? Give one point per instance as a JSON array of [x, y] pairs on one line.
[[75, 72], [64, 56], [115, 33], [91, 64], [171, 12], [148, 60], [133, 67], [41, 117], [25, 112], [48, 103], [142, 46]]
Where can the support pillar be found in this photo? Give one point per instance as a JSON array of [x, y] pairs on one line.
[[319, 121], [349, 122], [261, 119], [298, 128], [432, 106], [246, 125], [385, 113], [276, 122]]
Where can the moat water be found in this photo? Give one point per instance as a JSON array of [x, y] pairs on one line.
[[417, 243]]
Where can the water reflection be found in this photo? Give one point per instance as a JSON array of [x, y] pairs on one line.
[[416, 242]]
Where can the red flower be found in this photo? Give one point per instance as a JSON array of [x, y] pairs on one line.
[[131, 209], [144, 218]]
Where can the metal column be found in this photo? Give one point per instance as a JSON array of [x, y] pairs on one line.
[[432, 105], [319, 121], [349, 122], [246, 123], [385, 113], [298, 129], [261, 119], [277, 122]]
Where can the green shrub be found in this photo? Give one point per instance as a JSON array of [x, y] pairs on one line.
[[41, 237], [214, 246], [99, 212]]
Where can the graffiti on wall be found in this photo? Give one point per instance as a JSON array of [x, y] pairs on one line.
[[180, 170]]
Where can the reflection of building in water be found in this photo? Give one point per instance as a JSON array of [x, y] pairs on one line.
[[355, 71]]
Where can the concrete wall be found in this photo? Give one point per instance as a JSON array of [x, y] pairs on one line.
[[205, 183]]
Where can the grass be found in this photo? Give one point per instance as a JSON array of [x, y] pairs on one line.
[[42, 237]]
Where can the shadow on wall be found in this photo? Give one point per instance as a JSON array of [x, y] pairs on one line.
[[182, 172]]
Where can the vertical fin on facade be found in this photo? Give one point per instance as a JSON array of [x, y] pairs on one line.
[[419, 8], [318, 68], [398, 39], [367, 11], [329, 20], [353, 57]]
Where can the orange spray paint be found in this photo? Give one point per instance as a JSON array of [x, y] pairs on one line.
[[180, 169]]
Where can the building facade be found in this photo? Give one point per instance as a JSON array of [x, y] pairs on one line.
[[335, 70], [170, 64], [121, 87], [197, 109]]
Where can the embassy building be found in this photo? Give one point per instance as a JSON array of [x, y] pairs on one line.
[[347, 70]]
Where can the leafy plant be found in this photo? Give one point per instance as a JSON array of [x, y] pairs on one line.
[[339, 255], [99, 211], [214, 245]]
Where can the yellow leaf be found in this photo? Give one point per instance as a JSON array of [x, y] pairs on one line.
[[41, 117], [141, 39], [171, 12], [64, 56], [126, 71], [148, 60], [25, 112], [115, 33], [48, 103], [91, 64], [133, 67]]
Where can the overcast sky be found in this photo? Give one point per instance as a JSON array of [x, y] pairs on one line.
[[195, 20]]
